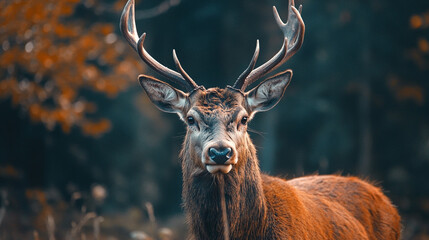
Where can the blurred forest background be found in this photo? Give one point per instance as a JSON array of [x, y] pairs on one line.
[[85, 155]]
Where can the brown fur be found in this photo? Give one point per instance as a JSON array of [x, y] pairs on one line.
[[265, 207]]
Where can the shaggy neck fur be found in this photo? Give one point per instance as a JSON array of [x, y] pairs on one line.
[[245, 202]]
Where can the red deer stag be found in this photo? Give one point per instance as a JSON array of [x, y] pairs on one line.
[[224, 192]]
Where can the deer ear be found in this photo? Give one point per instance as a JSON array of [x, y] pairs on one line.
[[268, 93], [164, 96]]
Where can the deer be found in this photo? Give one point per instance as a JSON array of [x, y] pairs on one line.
[[225, 195]]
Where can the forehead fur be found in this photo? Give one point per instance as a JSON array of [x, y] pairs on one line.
[[218, 99], [216, 104]]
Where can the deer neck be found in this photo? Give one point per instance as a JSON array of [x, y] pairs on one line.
[[245, 202]]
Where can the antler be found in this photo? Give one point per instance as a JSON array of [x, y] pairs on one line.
[[293, 31], [129, 30]]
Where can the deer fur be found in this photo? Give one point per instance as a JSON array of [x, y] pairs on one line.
[[265, 207]]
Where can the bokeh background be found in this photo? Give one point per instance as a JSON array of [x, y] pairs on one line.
[[85, 155]]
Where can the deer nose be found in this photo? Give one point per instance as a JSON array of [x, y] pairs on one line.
[[220, 155]]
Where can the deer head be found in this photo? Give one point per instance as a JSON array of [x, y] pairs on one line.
[[216, 118]]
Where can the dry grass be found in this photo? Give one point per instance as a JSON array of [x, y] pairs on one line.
[[42, 218]]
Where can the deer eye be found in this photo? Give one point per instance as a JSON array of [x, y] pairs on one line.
[[191, 120], [244, 120]]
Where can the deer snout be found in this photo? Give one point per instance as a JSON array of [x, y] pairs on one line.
[[220, 155]]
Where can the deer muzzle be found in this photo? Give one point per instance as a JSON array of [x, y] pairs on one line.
[[219, 157]]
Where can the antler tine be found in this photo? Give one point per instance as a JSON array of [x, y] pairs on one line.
[[240, 81], [129, 30], [267, 66], [293, 32], [182, 71]]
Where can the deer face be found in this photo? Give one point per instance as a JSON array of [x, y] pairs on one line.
[[216, 118]]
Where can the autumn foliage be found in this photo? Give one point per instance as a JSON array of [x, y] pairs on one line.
[[420, 55], [47, 58]]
